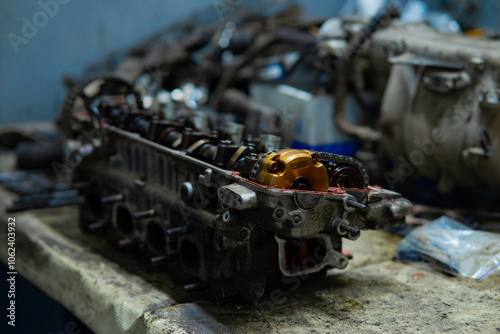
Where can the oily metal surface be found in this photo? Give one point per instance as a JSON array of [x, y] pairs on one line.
[[116, 293]]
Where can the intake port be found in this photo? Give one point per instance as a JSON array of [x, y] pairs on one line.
[[190, 253], [124, 221], [92, 213], [155, 238]]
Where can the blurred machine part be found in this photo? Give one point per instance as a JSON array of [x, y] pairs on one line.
[[438, 93], [440, 104], [306, 117], [35, 148]]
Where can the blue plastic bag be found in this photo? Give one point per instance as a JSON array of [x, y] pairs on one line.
[[453, 248]]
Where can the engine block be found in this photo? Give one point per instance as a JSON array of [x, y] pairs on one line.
[[231, 214]]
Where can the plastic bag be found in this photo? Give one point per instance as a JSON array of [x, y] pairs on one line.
[[453, 248]]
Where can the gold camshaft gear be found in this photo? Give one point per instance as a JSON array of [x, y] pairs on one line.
[[303, 170]]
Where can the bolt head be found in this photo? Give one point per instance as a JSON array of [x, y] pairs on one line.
[[258, 291], [243, 234], [297, 220]]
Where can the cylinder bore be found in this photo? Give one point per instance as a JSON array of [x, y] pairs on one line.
[[155, 238], [124, 221]]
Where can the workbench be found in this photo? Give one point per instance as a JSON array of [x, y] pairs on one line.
[[113, 291]]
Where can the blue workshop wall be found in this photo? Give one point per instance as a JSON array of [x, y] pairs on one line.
[[71, 36]]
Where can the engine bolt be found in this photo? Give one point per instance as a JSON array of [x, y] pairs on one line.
[[273, 167], [297, 221], [243, 234]]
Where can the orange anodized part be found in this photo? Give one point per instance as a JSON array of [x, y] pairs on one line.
[[294, 169]]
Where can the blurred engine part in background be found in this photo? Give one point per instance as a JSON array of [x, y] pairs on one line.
[[397, 92], [440, 103], [35, 148]]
